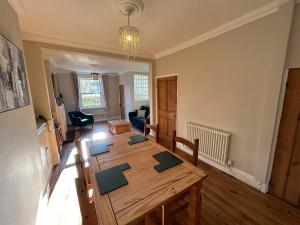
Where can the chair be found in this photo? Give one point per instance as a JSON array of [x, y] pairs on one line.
[[181, 202], [148, 127], [80, 119], [87, 207], [193, 146], [81, 160], [138, 122]]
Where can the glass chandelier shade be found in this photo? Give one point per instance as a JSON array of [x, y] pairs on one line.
[[96, 76], [129, 38]]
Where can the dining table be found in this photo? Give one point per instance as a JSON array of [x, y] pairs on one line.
[[147, 189]]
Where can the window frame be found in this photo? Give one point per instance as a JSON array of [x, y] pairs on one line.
[[143, 88], [101, 93]]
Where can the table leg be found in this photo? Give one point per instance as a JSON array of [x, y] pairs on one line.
[[194, 205], [165, 215]]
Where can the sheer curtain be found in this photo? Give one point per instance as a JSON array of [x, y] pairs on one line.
[[105, 81], [76, 89]]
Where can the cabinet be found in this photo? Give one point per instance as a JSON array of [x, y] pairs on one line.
[[45, 149]]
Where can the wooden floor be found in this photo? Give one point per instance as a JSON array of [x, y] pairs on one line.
[[225, 200]]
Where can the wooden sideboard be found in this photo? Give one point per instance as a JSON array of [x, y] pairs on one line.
[[46, 154]]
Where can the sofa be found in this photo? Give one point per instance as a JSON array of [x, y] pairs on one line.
[[80, 119], [138, 122]]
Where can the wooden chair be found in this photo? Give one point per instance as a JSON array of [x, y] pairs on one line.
[[181, 202], [79, 158], [87, 208], [148, 127], [193, 146]]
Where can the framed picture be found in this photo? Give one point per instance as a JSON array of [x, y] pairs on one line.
[[13, 84]]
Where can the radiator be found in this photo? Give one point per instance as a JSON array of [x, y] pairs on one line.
[[213, 143]]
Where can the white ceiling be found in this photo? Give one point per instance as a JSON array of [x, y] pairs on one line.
[[164, 24], [85, 63]]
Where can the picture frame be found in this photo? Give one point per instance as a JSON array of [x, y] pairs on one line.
[[14, 92]]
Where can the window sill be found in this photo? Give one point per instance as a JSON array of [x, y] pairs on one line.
[[142, 100], [93, 108]]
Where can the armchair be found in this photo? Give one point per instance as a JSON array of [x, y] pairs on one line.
[[80, 119], [138, 122]]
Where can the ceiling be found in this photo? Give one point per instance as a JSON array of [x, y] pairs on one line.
[[85, 63], [164, 24]]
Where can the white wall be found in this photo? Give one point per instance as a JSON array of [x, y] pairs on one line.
[[232, 82], [130, 103], [20, 162]]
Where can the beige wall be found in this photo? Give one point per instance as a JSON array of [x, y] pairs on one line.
[[293, 54], [67, 91], [130, 103], [37, 76], [20, 162], [232, 82], [49, 70]]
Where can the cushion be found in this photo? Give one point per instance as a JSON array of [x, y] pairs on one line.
[[141, 113], [84, 120]]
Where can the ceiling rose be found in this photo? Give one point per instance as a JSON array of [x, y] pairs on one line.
[[136, 7], [129, 36]]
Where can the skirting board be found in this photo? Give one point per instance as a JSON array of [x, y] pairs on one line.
[[232, 171], [104, 119], [107, 118]]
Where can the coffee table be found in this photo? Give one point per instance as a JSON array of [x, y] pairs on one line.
[[119, 126]]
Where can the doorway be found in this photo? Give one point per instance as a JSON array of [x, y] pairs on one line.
[[122, 101], [166, 108], [285, 178]]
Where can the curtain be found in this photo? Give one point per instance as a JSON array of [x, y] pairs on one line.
[[76, 89], [105, 81]]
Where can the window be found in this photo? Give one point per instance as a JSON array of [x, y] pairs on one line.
[[141, 91], [91, 94]]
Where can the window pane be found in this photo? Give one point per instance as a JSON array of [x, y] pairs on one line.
[[91, 93], [141, 87]]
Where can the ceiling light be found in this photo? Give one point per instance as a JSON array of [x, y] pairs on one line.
[[129, 36], [96, 76]]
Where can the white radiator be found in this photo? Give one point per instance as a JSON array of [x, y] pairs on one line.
[[213, 143]]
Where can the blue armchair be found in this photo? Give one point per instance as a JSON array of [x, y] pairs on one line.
[[80, 119], [138, 122]]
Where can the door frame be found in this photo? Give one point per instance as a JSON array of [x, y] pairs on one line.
[[276, 127], [178, 94]]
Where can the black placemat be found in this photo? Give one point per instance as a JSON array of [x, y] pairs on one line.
[[98, 149], [110, 179], [138, 136], [108, 143], [166, 160], [137, 139], [124, 166]]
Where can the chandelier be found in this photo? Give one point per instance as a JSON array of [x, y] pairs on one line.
[[129, 36], [96, 76]]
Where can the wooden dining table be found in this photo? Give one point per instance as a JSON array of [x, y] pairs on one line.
[[147, 189]]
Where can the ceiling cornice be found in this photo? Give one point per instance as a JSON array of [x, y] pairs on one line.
[[54, 40], [246, 18], [17, 6]]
